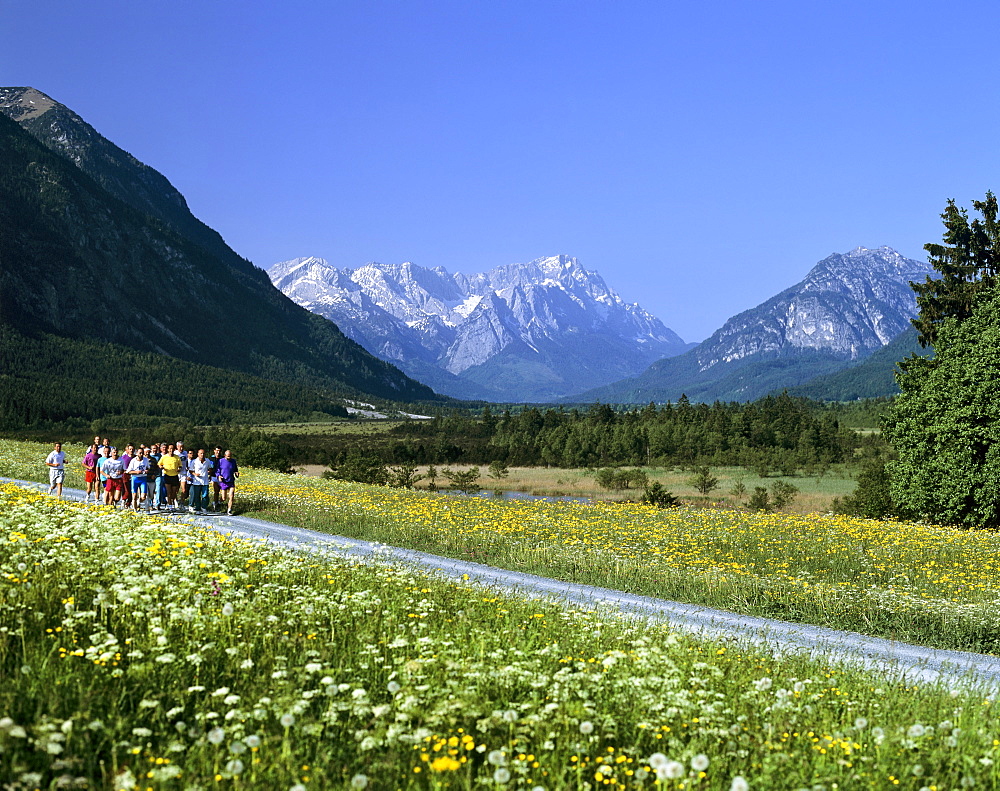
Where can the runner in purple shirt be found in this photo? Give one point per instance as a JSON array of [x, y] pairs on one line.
[[228, 472]]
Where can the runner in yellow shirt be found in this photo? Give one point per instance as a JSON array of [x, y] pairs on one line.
[[171, 466]]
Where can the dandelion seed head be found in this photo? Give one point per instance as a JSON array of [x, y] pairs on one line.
[[497, 758]]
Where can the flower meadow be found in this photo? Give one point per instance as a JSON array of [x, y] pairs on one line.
[[917, 583], [141, 653], [926, 584]]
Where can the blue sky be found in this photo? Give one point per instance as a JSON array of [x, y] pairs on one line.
[[701, 156]]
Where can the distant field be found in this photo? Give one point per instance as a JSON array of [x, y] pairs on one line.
[[816, 494], [329, 428]]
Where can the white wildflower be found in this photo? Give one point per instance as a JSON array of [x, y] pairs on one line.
[[656, 760]]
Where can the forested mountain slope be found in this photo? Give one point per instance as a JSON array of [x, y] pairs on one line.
[[120, 266]]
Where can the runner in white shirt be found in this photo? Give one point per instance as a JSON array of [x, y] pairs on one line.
[[200, 473], [57, 472], [138, 468]]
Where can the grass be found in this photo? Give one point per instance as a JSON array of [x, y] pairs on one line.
[[816, 493], [917, 583], [140, 654], [349, 427]]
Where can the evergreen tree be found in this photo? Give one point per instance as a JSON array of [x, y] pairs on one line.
[[945, 425], [969, 262]]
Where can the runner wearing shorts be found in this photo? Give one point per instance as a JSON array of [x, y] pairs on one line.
[[171, 466], [216, 458], [115, 471], [55, 461], [228, 473], [127, 457], [102, 458], [137, 470], [90, 473], [152, 453]]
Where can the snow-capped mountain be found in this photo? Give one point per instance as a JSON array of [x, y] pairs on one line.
[[520, 332], [848, 306]]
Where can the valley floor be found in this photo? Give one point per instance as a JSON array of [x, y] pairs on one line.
[[895, 659]]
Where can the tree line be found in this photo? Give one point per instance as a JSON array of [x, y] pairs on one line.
[[776, 434]]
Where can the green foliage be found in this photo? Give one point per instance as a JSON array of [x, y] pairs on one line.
[[463, 480], [403, 476], [782, 494], [90, 251], [760, 500], [872, 497], [498, 470], [945, 425], [52, 381], [618, 479], [777, 432], [969, 263], [738, 489], [360, 469], [655, 494], [703, 480]]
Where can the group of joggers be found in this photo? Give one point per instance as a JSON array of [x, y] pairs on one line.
[[162, 477]]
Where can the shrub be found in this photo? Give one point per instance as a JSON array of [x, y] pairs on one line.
[[660, 497]]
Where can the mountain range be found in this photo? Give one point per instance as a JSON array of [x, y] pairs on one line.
[[520, 332], [95, 246], [100, 252], [847, 307]]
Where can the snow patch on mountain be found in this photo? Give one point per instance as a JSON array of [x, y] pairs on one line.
[[547, 308]]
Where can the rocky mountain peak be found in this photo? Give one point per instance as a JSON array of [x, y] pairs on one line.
[[848, 304], [23, 104], [535, 317]]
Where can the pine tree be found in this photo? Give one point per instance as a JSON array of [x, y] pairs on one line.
[[969, 262]]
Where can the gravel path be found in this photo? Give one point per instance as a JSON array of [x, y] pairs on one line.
[[898, 660]]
